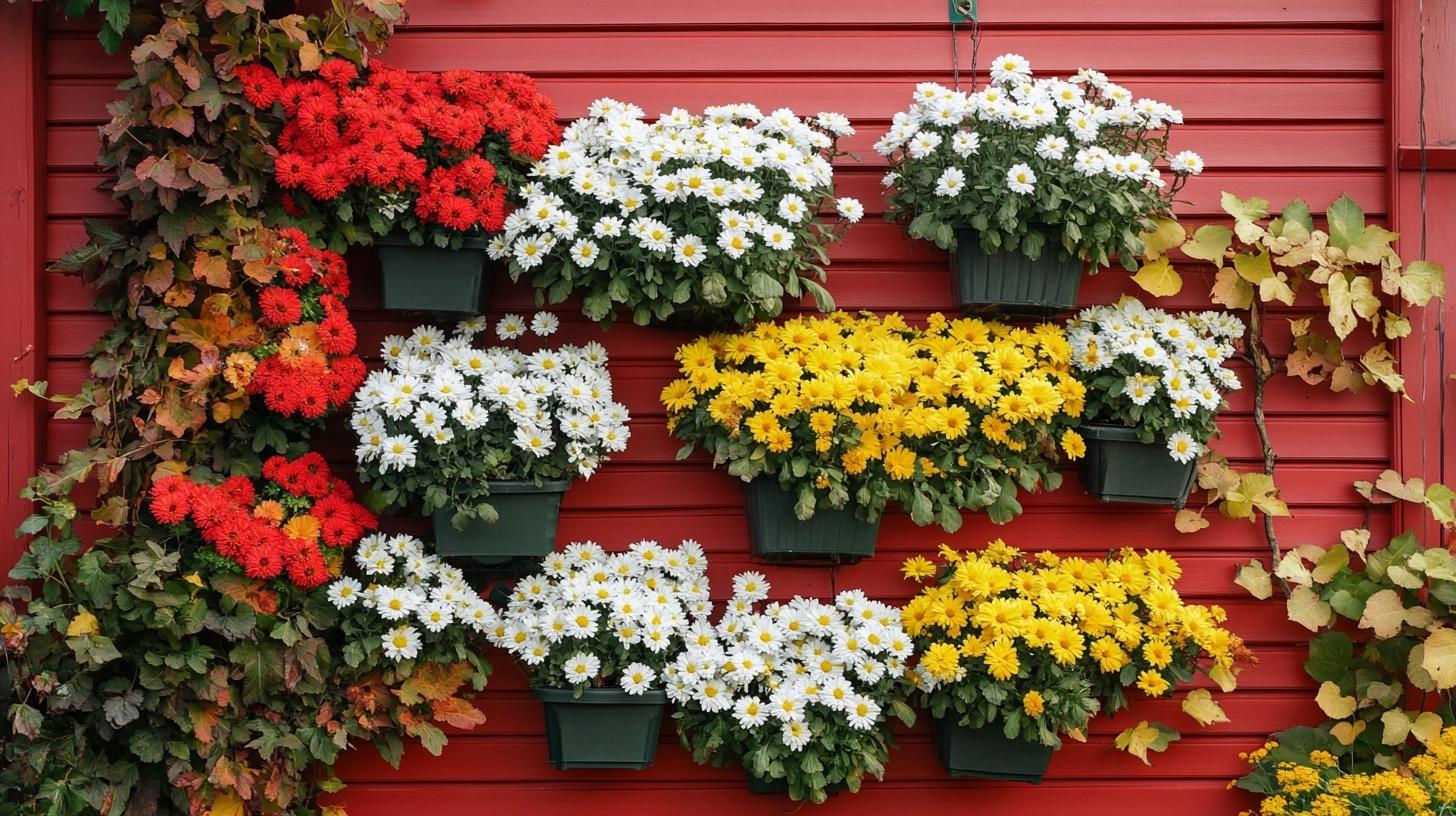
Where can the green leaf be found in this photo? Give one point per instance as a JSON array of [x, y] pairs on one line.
[[1347, 222], [1329, 657]]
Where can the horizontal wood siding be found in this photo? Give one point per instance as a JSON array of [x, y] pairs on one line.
[[1282, 99]]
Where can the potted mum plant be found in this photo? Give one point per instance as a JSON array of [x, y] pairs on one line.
[[1155, 383], [696, 219], [829, 419], [417, 163], [1028, 179], [595, 632], [486, 439], [798, 693], [1015, 651]]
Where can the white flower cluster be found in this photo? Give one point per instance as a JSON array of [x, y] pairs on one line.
[[437, 391], [409, 589], [1083, 124], [1176, 360], [588, 608], [769, 669], [617, 184]]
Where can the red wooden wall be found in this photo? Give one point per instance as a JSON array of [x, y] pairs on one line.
[[1282, 99]]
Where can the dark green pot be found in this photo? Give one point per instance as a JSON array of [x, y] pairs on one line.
[[986, 753], [780, 787], [1119, 467], [526, 527], [430, 279], [603, 728], [776, 534], [1010, 281], [697, 318]]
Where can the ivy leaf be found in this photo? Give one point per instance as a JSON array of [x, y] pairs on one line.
[[1356, 541], [1439, 657], [1166, 234], [1307, 610], [1421, 282], [1144, 737], [1158, 278], [1384, 614], [1253, 209], [1347, 222], [1189, 521], [1379, 365], [1209, 243], [1335, 705], [1200, 705], [84, 623], [1346, 732], [1254, 578]]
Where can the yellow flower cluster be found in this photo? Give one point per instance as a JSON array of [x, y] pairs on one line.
[[1004, 614], [1320, 788], [873, 398]]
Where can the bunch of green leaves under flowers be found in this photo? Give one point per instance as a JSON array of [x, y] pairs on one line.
[[446, 416], [1399, 598], [799, 693], [1160, 374], [1034, 165], [590, 618], [168, 680], [844, 410], [1036, 645], [715, 211]]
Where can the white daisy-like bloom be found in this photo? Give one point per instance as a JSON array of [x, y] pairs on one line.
[[1186, 163], [796, 735], [1010, 69], [637, 678], [544, 324], [581, 668], [1020, 179], [849, 209], [401, 643], [510, 327], [1182, 447], [1051, 147], [344, 592], [689, 250], [951, 182], [965, 143]]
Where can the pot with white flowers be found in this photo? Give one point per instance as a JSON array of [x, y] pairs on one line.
[[486, 439], [1028, 180], [799, 693], [693, 221], [595, 631], [1155, 383]]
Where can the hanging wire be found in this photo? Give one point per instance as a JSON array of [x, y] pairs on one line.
[[969, 9]]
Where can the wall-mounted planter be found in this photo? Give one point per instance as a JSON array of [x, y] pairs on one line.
[[526, 527], [780, 787], [1010, 281], [986, 753], [777, 534], [430, 279], [603, 728], [1119, 467]]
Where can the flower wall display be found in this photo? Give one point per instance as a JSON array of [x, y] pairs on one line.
[[430, 155], [445, 415], [861, 411], [1161, 374], [295, 526], [590, 618], [798, 692], [1038, 644], [1035, 165], [718, 210]]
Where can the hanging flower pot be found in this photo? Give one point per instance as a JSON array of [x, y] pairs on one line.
[[525, 527], [1010, 281], [430, 279], [776, 533], [986, 753], [1119, 467], [758, 786], [602, 727]]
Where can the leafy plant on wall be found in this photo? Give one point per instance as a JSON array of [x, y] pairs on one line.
[[1386, 690], [1265, 259]]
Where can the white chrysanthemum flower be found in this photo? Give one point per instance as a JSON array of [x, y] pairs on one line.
[[1182, 447], [965, 143], [1010, 69], [637, 678], [401, 643], [344, 592], [510, 327], [581, 668], [796, 735], [544, 324], [1186, 163], [849, 209], [951, 182], [1020, 179], [689, 250]]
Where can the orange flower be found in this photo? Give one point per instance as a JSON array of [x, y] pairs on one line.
[[302, 347], [302, 528], [238, 369], [269, 510]]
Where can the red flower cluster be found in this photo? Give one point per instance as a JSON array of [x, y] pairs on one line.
[[443, 139], [296, 524], [313, 368]]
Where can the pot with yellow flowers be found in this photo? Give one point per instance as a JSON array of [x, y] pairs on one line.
[[1155, 383], [1016, 651], [828, 420]]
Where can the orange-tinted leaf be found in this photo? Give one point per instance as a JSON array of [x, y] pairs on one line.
[[247, 591], [433, 681], [213, 269], [457, 712]]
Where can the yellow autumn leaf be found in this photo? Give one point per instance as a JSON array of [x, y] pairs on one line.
[[1422, 281], [1307, 610], [1426, 727], [1254, 578], [1335, 705], [226, 804], [1158, 278], [1166, 234], [83, 624], [1356, 541], [1397, 727], [1384, 613], [1439, 657], [1347, 733], [1144, 737], [1209, 242], [1226, 678], [1200, 705], [194, 579]]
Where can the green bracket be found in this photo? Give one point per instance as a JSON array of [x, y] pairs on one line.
[[962, 11]]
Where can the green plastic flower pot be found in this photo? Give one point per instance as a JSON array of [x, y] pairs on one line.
[[780, 787], [1119, 467], [1010, 281], [430, 279], [603, 728], [526, 527], [698, 318], [778, 535], [986, 753]]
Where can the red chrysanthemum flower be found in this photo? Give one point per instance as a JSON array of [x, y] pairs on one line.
[[337, 335], [261, 86], [261, 560], [339, 72], [279, 307], [308, 569]]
